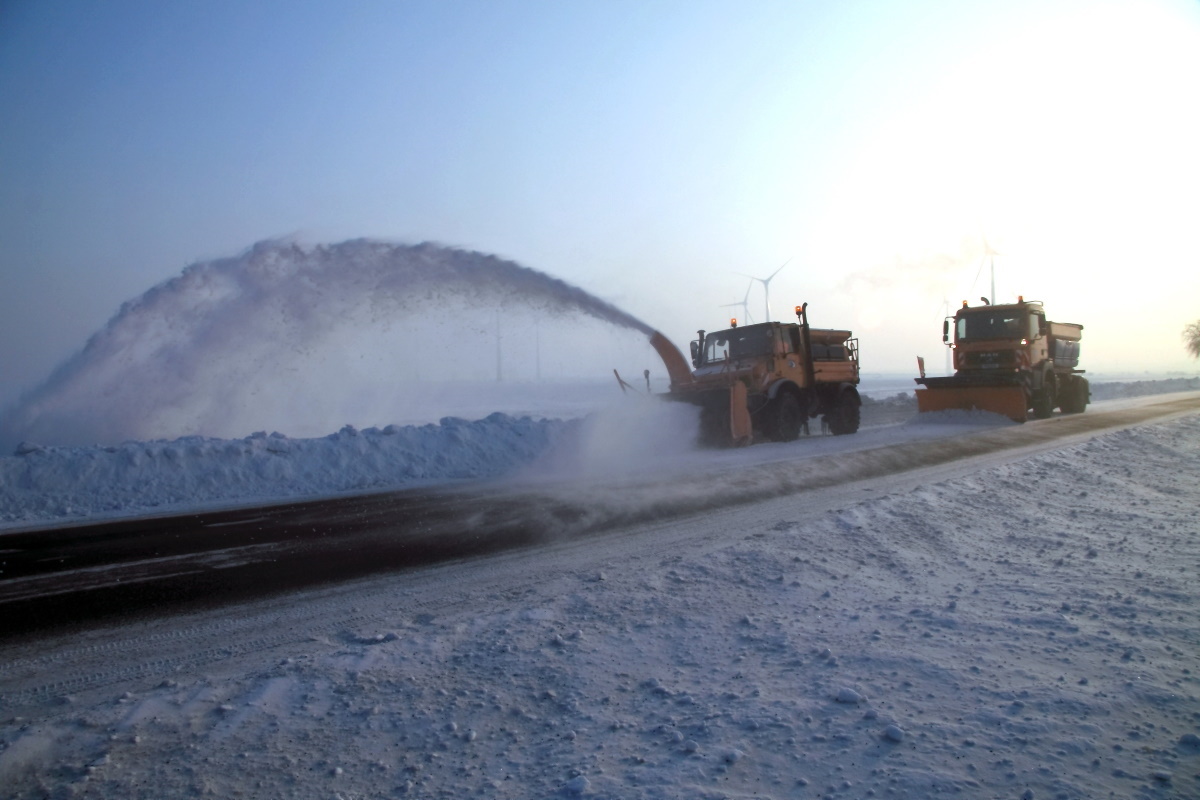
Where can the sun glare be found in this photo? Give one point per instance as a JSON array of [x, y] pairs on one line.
[[1076, 129]]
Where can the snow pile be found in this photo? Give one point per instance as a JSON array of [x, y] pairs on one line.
[[64, 482], [889, 410], [1112, 390]]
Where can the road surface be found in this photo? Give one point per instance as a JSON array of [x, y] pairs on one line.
[[72, 577]]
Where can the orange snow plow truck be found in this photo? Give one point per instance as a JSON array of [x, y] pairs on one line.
[[1008, 359], [763, 382]]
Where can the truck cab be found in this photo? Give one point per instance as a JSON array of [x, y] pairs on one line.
[[778, 350], [765, 381], [1001, 337]]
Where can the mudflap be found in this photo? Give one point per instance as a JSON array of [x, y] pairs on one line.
[[1007, 400]]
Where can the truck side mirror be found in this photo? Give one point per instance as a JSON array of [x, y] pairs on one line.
[[695, 353], [946, 331]]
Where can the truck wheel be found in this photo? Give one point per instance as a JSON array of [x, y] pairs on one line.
[[786, 418], [714, 426], [1076, 398], [844, 417], [1043, 399]]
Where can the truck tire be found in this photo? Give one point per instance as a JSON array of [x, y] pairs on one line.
[[844, 416], [786, 418], [714, 426], [1043, 398], [1075, 395]]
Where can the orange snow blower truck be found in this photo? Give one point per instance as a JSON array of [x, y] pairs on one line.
[[763, 382], [1008, 359]]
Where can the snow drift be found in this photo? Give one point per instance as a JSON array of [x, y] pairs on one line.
[[44, 483]]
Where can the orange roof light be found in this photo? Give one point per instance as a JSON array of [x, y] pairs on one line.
[[1020, 298], [964, 303], [733, 322]]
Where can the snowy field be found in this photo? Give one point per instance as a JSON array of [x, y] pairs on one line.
[[1006, 627]]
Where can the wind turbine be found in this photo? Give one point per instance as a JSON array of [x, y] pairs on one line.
[[991, 256], [766, 282], [744, 305]]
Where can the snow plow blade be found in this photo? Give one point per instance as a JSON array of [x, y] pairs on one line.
[[1006, 400]]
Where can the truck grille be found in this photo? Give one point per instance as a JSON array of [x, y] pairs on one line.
[[989, 359]]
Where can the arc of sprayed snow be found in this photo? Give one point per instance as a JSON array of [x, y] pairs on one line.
[[149, 353]]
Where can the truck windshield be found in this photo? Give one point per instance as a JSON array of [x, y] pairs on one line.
[[753, 340], [991, 325]]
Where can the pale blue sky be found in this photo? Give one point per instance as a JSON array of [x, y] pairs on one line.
[[645, 151]]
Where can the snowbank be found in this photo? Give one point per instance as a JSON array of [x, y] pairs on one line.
[[1112, 390], [45, 483]]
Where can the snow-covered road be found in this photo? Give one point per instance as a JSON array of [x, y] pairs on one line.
[[1019, 625]]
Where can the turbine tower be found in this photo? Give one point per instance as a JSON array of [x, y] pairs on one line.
[[766, 282], [744, 305], [991, 256]]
